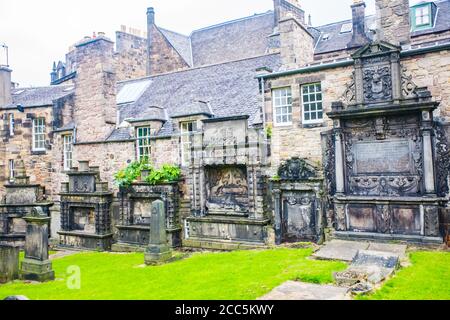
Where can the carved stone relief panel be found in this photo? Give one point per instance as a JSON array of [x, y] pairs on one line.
[[406, 220], [299, 215], [82, 184], [227, 190], [361, 218], [377, 80]]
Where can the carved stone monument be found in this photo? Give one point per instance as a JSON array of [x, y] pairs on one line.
[[227, 186], [85, 210], [158, 250], [36, 266], [21, 196], [381, 157], [135, 215], [297, 202], [9, 263]]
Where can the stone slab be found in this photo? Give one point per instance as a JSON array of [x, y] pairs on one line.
[[292, 290], [340, 250], [397, 249]]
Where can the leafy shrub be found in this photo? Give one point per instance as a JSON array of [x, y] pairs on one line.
[[128, 175], [168, 173]]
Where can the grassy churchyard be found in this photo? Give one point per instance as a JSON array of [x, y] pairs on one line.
[[240, 275]]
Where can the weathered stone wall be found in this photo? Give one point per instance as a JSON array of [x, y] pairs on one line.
[[163, 56], [393, 22], [433, 71], [38, 165], [95, 90], [297, 44], [298, 140], [130, 56]]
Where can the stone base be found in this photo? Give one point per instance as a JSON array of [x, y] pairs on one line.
[[225, 233], [138, 237], [85, 241], [380, 237], [34, 270], [157, 255], [221, 245], [126, 247]]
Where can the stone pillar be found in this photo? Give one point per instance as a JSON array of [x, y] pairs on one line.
[[428, 162], [393, 21], [277, 219], [36, 266], [158, 251], [9, 263], [339, 165]]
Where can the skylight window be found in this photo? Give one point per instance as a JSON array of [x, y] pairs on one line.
[[346, 28], [18, 92], [325, 37], [131, 92]]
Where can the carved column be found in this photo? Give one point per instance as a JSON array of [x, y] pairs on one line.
[[428, 163], [358, 82], [396, 77]]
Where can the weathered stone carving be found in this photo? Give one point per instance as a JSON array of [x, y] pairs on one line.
[[431, 221], [384, 186], [377, 83], [408, 86], [296, 169], [349, 95], [442, 160], [340, 217]]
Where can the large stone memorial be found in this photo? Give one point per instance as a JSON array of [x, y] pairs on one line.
[[227, 186], [85, 210], [21, 197], [297, 201], [136, 212], [381, 157], [36, 266]]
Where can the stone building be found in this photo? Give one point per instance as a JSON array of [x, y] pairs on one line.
[[273, 89]]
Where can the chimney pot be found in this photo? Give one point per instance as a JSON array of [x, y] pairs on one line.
[[150, 15]]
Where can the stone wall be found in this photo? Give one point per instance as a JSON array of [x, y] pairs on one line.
[[297, 44], [163, 56], [95, 90], [393, 22], [298, 140], [130, 56]]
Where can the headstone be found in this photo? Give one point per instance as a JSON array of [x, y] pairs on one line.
[[158, 250], [9, 263], [36, 266]]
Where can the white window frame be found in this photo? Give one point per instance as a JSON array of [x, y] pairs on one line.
[[308, 105], [186, 141], [282, 106], [143, 143], [11, 124], [67, 151], [11, 171], [420, 15], [38, 134]]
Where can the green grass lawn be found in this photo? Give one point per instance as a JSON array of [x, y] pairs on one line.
[[427, 279], [239, 275]]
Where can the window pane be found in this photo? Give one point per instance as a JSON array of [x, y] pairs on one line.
[[282, 105]]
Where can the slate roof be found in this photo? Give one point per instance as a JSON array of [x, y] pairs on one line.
[[39, 96], [233, 40], [227, 89]]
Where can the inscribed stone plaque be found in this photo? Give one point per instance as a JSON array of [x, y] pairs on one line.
[[142, 211], [82, 184], [226, 133], [406, 220], [383, 157]]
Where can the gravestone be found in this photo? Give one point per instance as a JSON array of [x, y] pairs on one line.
[[9, 263], [158, 250], [36, 266]]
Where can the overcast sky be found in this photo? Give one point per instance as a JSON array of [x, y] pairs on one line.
[[38, 32]]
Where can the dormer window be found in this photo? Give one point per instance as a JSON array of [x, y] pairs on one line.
[[422, 16]]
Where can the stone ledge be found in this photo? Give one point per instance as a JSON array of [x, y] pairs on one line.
[[348, 235], [222, 245]]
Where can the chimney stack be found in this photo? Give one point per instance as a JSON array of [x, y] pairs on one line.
[[359, 37], [393, 21], [150, 26], [5, 86]]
